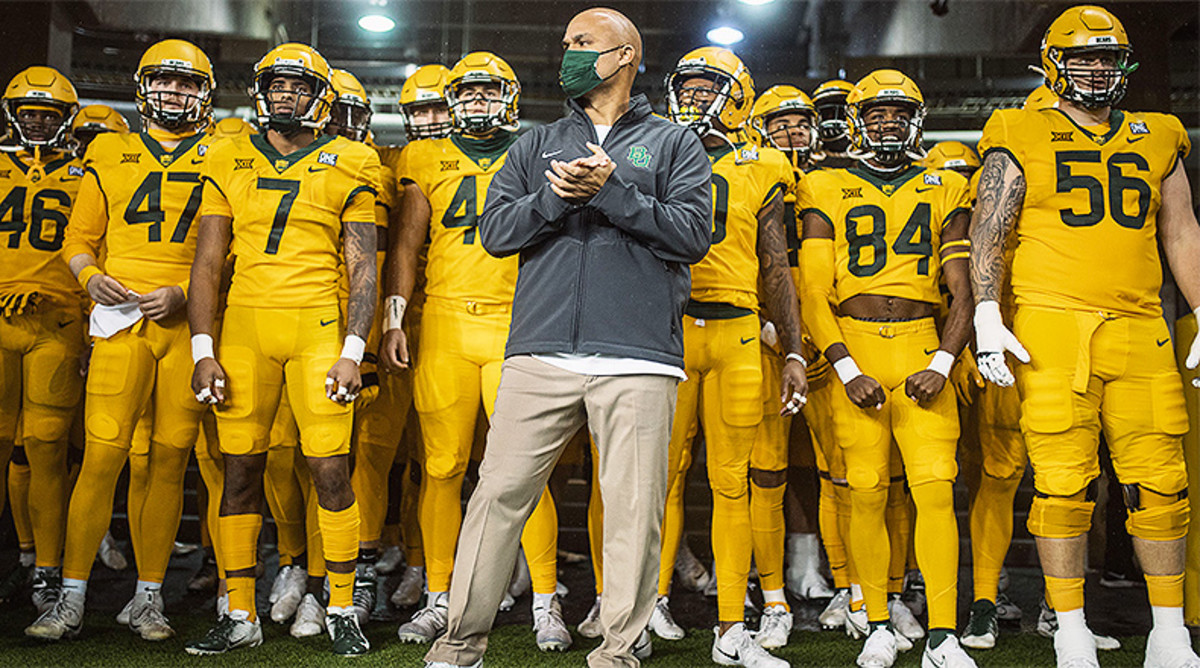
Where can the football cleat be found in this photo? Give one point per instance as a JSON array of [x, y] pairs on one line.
[[110, 555], [1006, 610], [234, 631], [738, 648], [590, 626], [774, 627], [286, 592], [207, 577], [1047, 625], [1075, 650], [949, 654], [834, 614], [903, 620], [391, 559], [551, 630], [1170, 648], [982, 627], [429, 622], [344, 631], [643, 647], [662, 623], [64, 620], [146, 616], [914, 592], [47, 585], [879, 651], [803, 575], [689, 572], [412, 584], [365, 583], [857, 626], [310, 618]]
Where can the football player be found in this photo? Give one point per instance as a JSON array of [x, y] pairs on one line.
[[830, 100], [463, 330], [92, 120], [138, 201], [41, 321], [1090, 192], [876, 238], [296, 208], [711, 92], [423, 103]]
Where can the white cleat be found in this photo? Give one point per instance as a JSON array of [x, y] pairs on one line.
[[429, 622], [1047, 625], [391, 559], [443, 664], [590, 626], [233, 631], [310, 618], [857, 626], [412, 585], [146, 616], [879, 650], [689, 572], [1075, 649], [286, 592], [643, 647], [949, 654], [552, 633], [62, 621], [124, 614], [803, 573], [774, 627], [1170, 648], [662, 623], [834, 614], [738, 648], [903, 620], [110, 555]]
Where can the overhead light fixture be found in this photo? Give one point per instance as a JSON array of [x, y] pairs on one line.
[[376, 23], [756, 2], [725, 35]]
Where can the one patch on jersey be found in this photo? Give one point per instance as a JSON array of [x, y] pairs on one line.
[[130, 157], [639, 156], [74, 170], [4, 173], [1138, 128], [449, 165], [933, 179], [243, 163], [847, 193], [202, 149], [1062, 136], [748, 153], [327, 158]]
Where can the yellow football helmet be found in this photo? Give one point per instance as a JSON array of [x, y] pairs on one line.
[[476, 68], [231, 127], [427, 86], [830, 100], [180, 58], [92, 120], [952, 155], [886, 87], [1041, 98], [1086, 29], [43, 89], [734, 97], [351, 114], [312, 109], [778, 100]]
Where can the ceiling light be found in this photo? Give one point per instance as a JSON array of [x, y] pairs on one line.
[[725, 35], [376, 23], [757, 2]]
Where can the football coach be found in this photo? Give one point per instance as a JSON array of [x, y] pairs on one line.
[[607, 208]]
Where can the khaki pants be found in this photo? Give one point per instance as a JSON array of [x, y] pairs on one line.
[[538, 408]]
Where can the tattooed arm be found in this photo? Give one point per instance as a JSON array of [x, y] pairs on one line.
[[1000, 196], [779, 294], [359, 246]]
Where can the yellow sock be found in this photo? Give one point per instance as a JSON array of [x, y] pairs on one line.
[[18, 497], [596, 528], [241, 595], [285, 498], [48, 483], [339, 537], [90, 510], [540, 540], [991, 520], [135, 501], [936, 545], [872, 550], [239, 551], [831, 538], [162, 509], [441, 520], [372, 463], [767, 533], [1064, 594], [1165, 591], [899, 528], [672, 533]]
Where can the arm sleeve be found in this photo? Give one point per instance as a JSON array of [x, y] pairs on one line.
[[817, 296], [676, 227], [89, 219], [519, 211]]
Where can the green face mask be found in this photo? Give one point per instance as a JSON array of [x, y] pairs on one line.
[[578, 75]]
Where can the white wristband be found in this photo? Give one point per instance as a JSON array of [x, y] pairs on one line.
[[846, 369], [798, 357], [394, 312], [202, 347], [353, 348], [942, 362]]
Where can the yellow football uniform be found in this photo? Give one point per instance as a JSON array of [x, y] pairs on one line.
[[137, 202], [1086, 276], [41, 329], [288, 215], [886, 241], [723, 362]]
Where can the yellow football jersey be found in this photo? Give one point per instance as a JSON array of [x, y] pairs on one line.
[[886, 233], [138, 201], [288, 212], [1087, 233], [454, 174], [744, 180], [35, 203]]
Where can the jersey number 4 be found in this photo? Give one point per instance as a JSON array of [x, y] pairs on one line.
[[915, 239], [12, 218], [145, 207], [463, 210]]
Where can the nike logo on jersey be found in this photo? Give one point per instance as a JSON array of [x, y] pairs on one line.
[[930, 352], [1133, 140], [314, 168], [745, 341], [325, 323], [547, 154], [921, 190], [64, 324], [196, 162], [1163, 342]]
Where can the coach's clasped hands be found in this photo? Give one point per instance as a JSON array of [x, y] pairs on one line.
[[579, 180], [992, 339]]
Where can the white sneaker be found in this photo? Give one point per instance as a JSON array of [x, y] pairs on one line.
[[879, 651], [949, 654], [310, 618], [389, 560], [662, 623], [857, 625], [738, 648], [1075, 650], [689, 572], [1047, 625], [412, 585], [62, 621], [803, 573], [429, 622], [146, 616], [110, 555], [286, 592], [903, 620], [644, 647], [552, 633], [834, 614], [1170, 648], [774, 627], [590, 626], [233, 631], [124, 614]]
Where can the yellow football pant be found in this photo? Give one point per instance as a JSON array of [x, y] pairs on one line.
[[287, 495], [926, 435], [723, 393], [377, 437], [40, 390], [462, 348], [834, 511], [1185, 331], [18, 499], [123, 383], [769, 453]]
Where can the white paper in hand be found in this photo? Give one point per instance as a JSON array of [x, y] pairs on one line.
[[108, 320]]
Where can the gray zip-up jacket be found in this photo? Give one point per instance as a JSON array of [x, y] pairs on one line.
[[611, 276]]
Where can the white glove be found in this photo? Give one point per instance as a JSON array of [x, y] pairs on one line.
[[992, 339], [1193, 358], [769, 335]]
